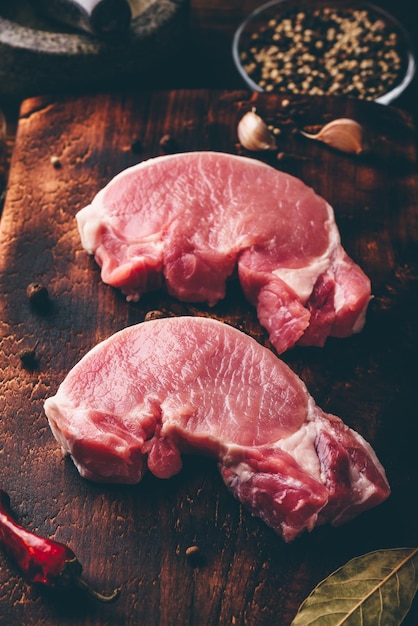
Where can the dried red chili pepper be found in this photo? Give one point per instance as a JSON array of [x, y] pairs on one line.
[[43, 561]]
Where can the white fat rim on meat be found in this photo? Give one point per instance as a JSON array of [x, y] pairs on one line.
[[303, 280], [361, 319], [88, 226], [300, 445]]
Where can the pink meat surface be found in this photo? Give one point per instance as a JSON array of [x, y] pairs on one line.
[[158, 389], [188, 220]]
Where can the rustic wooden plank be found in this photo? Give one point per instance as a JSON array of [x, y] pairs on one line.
[[137, 536]]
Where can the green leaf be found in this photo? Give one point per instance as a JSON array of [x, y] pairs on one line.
[[377, 588]]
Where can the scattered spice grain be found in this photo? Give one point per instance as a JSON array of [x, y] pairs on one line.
[[154, 315], [38, 296], [136, 146], [194, 555], [168, 144], [28, 358], [55, 162]]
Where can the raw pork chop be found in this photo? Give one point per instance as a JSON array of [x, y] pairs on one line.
[[189, 219], [188, 384]]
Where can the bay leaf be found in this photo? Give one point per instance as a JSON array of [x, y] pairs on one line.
[[374, 589]]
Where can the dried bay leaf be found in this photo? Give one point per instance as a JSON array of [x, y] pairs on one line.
[[377, 588]]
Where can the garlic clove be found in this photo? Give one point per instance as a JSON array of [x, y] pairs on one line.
[[253, 133], [343, 134]]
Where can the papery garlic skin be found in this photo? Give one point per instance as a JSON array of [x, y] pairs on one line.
[[343, 134], [253, 133]]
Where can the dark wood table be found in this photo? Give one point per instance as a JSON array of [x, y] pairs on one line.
[[137, 536]]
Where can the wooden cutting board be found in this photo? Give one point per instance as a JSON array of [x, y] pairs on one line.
[[137, 536]]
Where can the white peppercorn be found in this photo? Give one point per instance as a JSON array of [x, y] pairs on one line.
[[341, 50]]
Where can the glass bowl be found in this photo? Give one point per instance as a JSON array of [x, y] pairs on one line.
[[337, 47]]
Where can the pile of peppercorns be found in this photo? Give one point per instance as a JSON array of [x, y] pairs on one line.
[[337, 51]]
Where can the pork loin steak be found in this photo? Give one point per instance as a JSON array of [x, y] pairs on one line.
[[189, 219], [158, 389]]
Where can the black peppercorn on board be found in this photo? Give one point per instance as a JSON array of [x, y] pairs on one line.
[[183, 550]]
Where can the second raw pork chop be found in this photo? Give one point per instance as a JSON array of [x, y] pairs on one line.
[[188, 220], [158, 389]]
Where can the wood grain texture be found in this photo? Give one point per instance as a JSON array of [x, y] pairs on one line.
[[137, 536]]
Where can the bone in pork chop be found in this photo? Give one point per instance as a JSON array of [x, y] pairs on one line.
[[187, 220], [158, 389]]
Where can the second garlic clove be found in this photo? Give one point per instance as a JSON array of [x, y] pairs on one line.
[[343, 134]]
